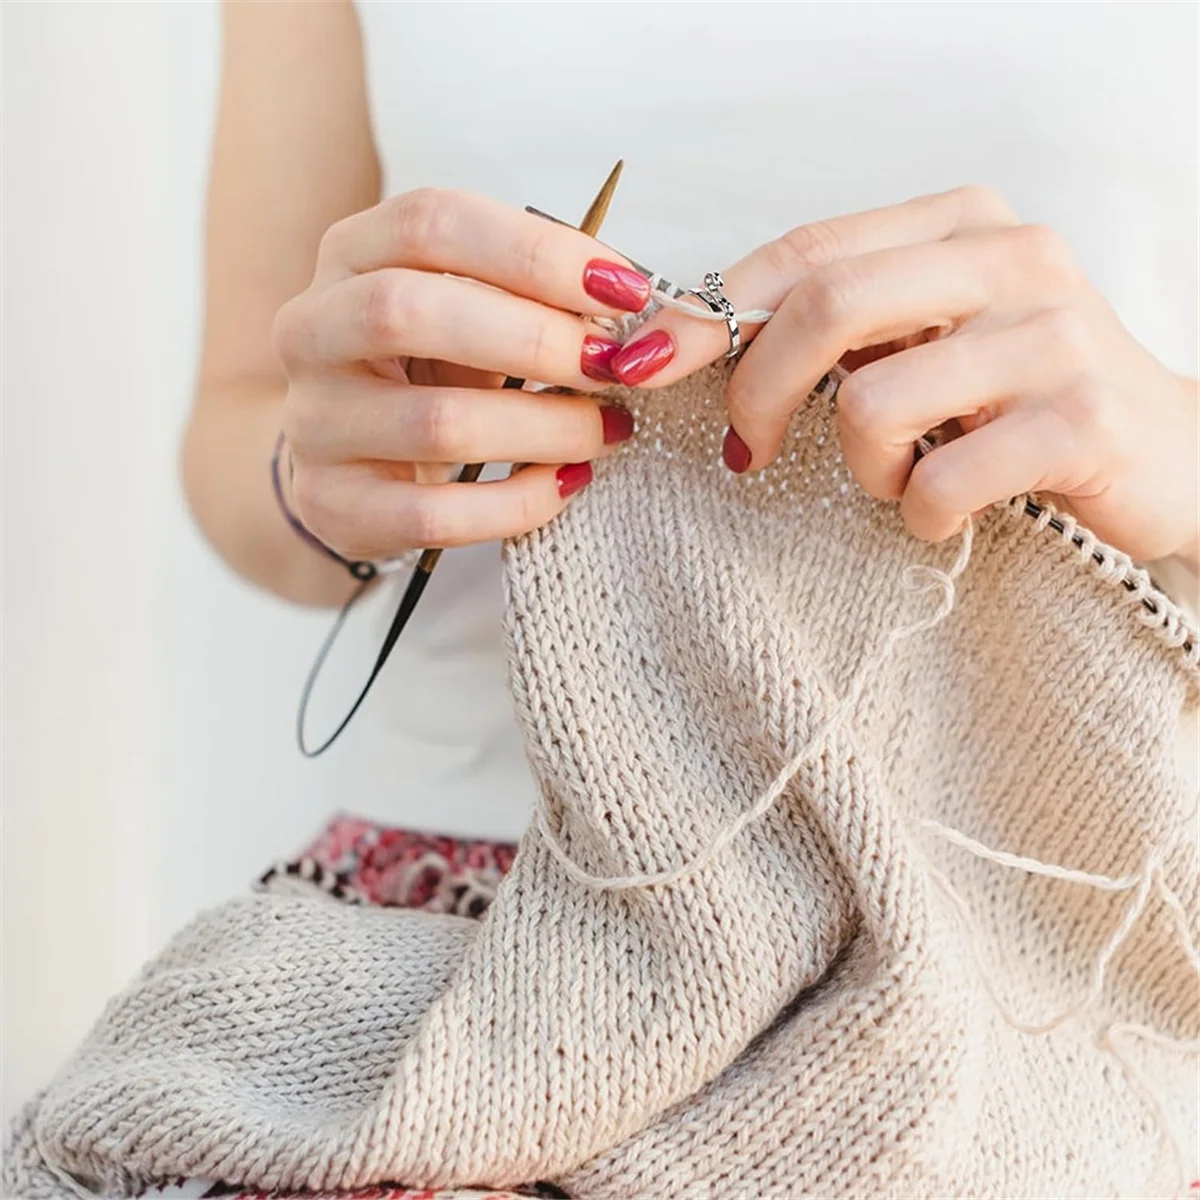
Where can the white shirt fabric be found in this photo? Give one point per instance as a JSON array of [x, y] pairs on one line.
[[736, 123]]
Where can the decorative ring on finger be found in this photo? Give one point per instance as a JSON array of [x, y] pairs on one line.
[[712, 296]]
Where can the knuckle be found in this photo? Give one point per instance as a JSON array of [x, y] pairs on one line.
[[830, 294], [422, 217], [541, 350], [291, 336], [980, 204], [299, 420], [387, 310], [427, 521], [1067, 336], [440, 428], [804, 247], [934, 485], [329, 249], [311, 501], [1086, 409], [1047, 252], [531, 259], [862, 404]]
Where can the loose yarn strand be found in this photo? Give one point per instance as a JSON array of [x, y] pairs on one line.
[[1144, 882], [1179, 917], [1158, 1112], [1133, 911], [752, 316], [943, 580], [1104, 883]]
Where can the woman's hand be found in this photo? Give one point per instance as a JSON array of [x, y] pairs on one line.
[[948, 308], [394, 355]]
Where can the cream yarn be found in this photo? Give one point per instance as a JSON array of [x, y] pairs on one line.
[[879, 822]]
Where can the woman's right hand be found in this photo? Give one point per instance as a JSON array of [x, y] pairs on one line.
[[394, 355]]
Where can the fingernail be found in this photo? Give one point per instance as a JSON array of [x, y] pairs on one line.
[[618, 423], [735, 452], [641, 359], [615, 285], [596, 357], [572, 477]]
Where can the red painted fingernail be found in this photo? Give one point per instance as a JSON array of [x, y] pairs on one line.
[[618, 423], [641, 359], [572, 477], [615, 285], [735, 452], [596, 357]]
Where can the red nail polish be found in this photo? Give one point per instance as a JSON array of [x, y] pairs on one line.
[[618, 423], [595, 357], [641, 359], [735, 452], [615, 285], [572, 477]]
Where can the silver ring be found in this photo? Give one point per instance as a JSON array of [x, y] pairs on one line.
[[712, 296]]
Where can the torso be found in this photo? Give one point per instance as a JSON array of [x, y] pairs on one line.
[[736, 123]]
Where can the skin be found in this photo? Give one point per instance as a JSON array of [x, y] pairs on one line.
[[950, 309], [329, 317], [292, 154], [332, 316]]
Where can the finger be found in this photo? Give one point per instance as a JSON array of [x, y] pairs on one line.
[[455, 425], [398, 312], [875, 298], [479, 238], [431, 373], [765, 277], [885, 406], [364, 515], [1023, 451]]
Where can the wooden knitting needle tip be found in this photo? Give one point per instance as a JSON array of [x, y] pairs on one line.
[[592, 220], [598, 209]]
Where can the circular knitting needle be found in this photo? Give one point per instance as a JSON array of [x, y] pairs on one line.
[[592, 220]]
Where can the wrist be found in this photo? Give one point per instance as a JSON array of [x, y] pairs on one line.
[[1189, 552], [282, 470]]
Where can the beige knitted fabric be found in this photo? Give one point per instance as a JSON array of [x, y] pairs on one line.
[[805, 1009]]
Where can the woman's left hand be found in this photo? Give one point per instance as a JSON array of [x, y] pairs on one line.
[[947, 307]]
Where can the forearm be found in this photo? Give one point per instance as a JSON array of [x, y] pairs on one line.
[[227, 477]]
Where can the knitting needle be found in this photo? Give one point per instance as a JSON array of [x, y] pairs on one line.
[[592, 220]]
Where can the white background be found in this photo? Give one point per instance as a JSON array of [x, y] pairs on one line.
[[148, 697]]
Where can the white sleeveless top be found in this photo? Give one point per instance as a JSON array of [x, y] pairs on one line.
[[736, 123]]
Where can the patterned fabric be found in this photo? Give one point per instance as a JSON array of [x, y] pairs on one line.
[[361, 862]]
